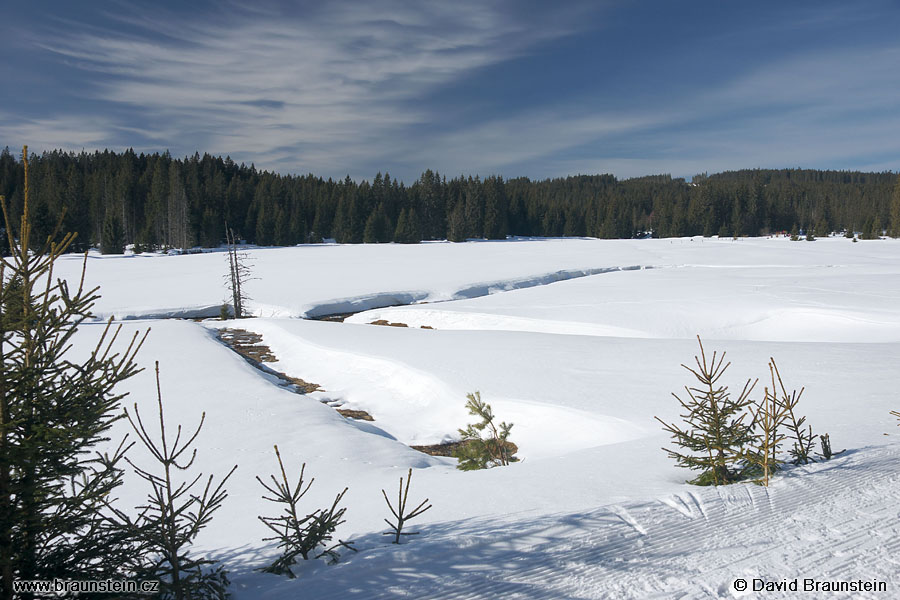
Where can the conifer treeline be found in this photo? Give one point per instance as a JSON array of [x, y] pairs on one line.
[[157, 201]]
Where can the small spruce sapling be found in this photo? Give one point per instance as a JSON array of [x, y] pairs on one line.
[[300, 535], [803, 438], [769, 415], [400, 513], [477, 452], [896, 414], [715, 435], [174, 514]]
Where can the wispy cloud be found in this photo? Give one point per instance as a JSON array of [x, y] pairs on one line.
[[66, 132], [355, 87], [816, 110], [315, 91]]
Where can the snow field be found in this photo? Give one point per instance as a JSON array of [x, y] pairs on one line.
[[580, 356]]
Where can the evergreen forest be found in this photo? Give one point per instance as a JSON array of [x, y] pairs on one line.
[[157, 202]]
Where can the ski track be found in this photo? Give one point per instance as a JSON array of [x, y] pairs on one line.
[[690, 545]]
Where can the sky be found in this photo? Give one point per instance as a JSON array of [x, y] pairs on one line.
[[518, 88]]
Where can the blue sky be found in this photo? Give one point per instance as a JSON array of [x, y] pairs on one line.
[[522, 88]]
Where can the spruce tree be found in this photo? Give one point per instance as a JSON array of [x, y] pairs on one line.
[[177, 509], [716, 433], [377, 227], [876, 232], [282, 228], [298, 535], [113, 241], [407, 231], [770, 414], [76, 216], [43, 226], [495, 209], [401, 515], [54, 410], [802, 437], [895, 209], [457, 226]]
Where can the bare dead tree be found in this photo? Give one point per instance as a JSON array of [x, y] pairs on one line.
[[238, 273], [400, 513]]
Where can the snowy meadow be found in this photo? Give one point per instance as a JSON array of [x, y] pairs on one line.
[[579, 344]]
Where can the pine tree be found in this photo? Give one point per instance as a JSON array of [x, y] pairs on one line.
[[400, 513], [300, 536], [370, 235], [113, 241], [875, 233], [803, 438], [716, 433], [321, 227], [265, 225], [176, 511], [156, 208], [282, 228], [53, 412], [44, 226], [474, 208], [377, 227], [76, 217], [458, 228], [478, 452], [495, 209], [407, 231], [210, 230], [298, 230], [769, 415], [340, 230], [895, 209]]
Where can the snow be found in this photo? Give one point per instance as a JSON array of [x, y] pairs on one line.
[[579, 344]]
